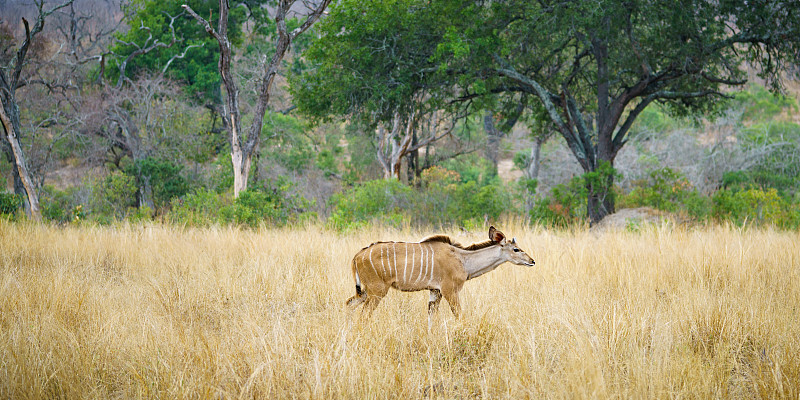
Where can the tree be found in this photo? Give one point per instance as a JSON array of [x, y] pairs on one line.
[[593, 66], [399, 142], [143, 120], [160, 39], [11, 79], [244, 146], [371, 64]]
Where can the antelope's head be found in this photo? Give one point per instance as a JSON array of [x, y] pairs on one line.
[[510, 250]]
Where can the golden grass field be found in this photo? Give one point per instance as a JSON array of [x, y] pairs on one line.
[[164, 312]]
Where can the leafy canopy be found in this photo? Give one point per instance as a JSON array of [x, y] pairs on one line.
[[150, 22]]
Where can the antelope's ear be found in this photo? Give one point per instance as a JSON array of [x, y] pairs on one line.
[[495, 235]]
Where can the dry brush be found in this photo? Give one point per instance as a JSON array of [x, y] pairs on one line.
[[154, 311]]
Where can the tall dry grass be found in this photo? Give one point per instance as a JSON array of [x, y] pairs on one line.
[[163, 312]]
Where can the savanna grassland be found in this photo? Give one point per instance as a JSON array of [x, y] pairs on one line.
[[163, 312]]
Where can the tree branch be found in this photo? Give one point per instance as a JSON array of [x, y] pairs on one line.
[[180, 56], [310, 20], [547, 100]]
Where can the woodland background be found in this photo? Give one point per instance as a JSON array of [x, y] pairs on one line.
[[122, 116]]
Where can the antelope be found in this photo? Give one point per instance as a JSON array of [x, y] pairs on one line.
[[436, 264]]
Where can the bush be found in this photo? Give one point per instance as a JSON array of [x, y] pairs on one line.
[[379, 201], [260, 205], [756, 206], [441, 199], [164, 177], [112, 197], [9, 204], [473, 203], [60, 205], [668, 190], [200, 208], [565, 206], [760, 104]]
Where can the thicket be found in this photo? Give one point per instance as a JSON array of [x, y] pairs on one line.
[[443, 197], [463, 191]]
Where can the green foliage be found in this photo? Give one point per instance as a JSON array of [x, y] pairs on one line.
[[668, 190], [473, 203], [164, 179], [565, 206], [198, 69], [442, 199], [112, 197], [200, 208], [759, 104], [446, 198], [472, 168], [755, 206], [779, 167], [370, 59], [376, 202], [9, 204], [60, 206], [656, 119], [600, 181], [567, 203], [272, 204]]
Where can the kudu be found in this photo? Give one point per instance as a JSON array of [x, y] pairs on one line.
[[436, 264]]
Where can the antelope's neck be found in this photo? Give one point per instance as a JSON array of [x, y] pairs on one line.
[[479, 262]]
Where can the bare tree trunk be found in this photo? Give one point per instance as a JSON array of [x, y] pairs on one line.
[[493, 136], [413, 160], [397, 144], [243, 147], [532, 172], [11, 79], [32, 198]]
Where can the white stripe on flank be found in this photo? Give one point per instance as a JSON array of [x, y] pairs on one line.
[[413, 254], [371, 263], [405, 265], [418, 266], [422, 260], [395, 260], [433, 263], [383, 266]]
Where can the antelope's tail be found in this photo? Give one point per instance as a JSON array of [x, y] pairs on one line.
[[359, 298]]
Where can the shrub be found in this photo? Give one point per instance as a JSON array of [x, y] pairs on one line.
[[441, 199], [473, 203], [760, 104], [565, 206], [200, 208], [9, 204], [379, 201], [164, 177], [269, 204], [567, 203], [112, 197], [60, 205], [668, 190], [756, 206]]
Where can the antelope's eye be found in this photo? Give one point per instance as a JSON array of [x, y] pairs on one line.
[[517, 250]]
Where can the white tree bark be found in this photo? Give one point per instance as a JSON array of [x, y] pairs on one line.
[[243, 147], [19, 164]]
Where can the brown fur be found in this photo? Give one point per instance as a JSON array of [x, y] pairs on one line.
[[446, 239], [436, 264]]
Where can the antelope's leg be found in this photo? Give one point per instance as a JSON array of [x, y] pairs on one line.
[[452, 298], [373, 297], [355, 301], [435, 298]]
